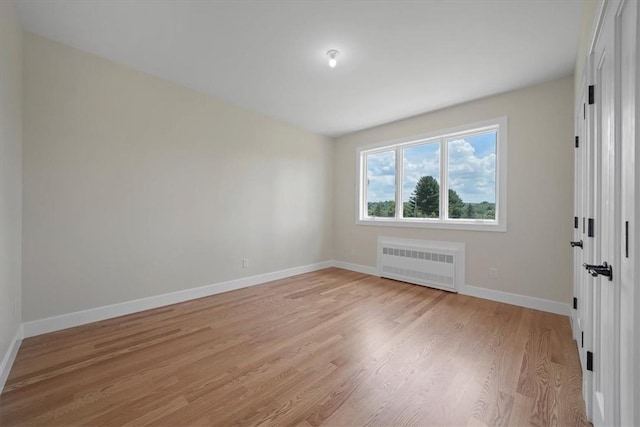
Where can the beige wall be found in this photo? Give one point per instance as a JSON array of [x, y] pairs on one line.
[[10, 173], [533, 257], [135, 187]]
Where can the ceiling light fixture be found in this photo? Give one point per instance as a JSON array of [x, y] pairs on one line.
[[332, 57]]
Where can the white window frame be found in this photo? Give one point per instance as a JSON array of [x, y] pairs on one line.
[[500, 221]]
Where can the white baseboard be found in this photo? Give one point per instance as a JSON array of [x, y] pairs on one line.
[[516, 299], [484, 293], [69, 320], [63, 321], [356, 267], [10, 357]]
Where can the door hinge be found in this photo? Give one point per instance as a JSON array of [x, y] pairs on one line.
[[575, 303], [577, 141], [626, 239], [582, 339], [589, 361], [575, 222], [592, 95], [584, 111], [590, 228]]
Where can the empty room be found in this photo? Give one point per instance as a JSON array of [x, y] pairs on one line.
[[319, 213]]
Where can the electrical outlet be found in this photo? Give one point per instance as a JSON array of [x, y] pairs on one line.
[[245, 262], [493, 273]]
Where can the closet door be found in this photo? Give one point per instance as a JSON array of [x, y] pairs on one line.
[[604, 360], [628, 45], [607, 316], [582, 246]]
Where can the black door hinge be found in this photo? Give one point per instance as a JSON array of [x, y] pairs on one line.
[[575, 222], [592, 95], [577, 141], [626, 239], [582, 339], [589, 361], [590, 228], [575, 303], [584, 111]]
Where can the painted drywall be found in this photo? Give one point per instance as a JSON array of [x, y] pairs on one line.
[[10, 174], [533, 257], [135, 187]]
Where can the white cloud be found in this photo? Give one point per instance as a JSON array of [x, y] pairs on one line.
[[416, 167], [472, 177], [381, 173]]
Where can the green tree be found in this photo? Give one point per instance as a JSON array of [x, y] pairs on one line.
[[456, 205], [471, 212], [382, 209], [390, 208], [425, 199]]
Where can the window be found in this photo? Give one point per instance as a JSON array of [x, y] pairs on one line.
[[449, 179]]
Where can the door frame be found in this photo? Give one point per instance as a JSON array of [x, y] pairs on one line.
[[629, 49]]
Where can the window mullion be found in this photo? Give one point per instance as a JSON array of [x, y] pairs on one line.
[[444, 180], [468, 212], [399, 180]]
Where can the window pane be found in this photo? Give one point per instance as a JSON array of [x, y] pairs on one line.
[[381, 184], [472, 176], [421, 181]]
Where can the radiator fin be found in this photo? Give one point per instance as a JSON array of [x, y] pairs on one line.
[[429, 256]]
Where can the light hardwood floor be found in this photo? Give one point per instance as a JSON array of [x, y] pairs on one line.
[[332, 347]]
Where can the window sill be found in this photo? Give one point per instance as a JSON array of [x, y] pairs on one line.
[[435, 224]]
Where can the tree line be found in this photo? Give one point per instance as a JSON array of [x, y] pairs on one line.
[[425, 203]]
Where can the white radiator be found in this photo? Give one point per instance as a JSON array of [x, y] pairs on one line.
[[422, 262]]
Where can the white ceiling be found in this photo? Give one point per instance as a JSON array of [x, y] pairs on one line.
[[397, 58]]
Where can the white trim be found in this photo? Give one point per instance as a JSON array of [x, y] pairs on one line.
[[69, 320], [435, 135], [426, 223], [364, 269], [56, 323], [484, 293], [516, 299], [10, 357], [501, 124], [596, 27]]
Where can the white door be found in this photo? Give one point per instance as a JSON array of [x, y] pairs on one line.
[[606, 319], [629, 292], [583, 246], [606, 283]]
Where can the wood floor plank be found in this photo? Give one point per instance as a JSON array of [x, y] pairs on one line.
[[327, 348]]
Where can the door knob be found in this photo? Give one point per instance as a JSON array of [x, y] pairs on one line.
[[576, 244], [603, 270]]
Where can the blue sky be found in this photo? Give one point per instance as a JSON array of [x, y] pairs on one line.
[[381, 173], [471, 168]]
